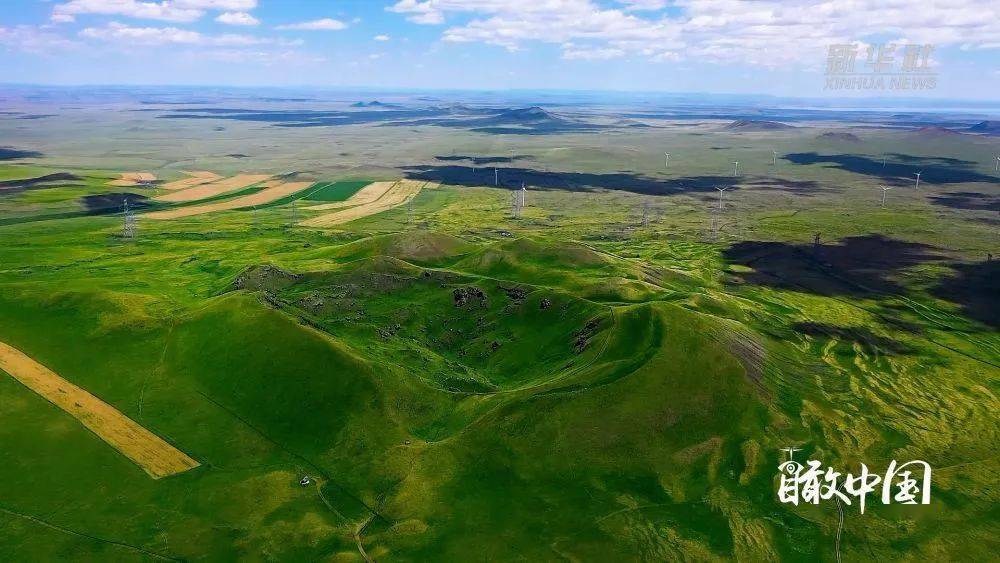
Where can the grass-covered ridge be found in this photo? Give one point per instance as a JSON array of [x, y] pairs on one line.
[[459, 384]]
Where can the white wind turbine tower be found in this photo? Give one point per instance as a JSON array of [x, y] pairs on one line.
[[997, 167], [524, 192], [721, 191], [774, 158], [736, 168], [917, 185], [666, 163], [496, 176], [885, 190]]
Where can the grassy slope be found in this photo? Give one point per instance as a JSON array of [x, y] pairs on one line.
[[653, 443]]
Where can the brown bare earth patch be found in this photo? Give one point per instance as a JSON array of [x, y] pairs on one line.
[[147, 450], [214, 188], [399, 193], [196, 178], [132, 179], [273, 190]]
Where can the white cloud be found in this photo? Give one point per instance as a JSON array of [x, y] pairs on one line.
[[118, 32], [764, 33], [166, 10], [591, 54], [130, 36], [257, 56], [381, 38], [427, 12], [237, 18], [325, 24], [638, 5], [62, 18], [31, 39]]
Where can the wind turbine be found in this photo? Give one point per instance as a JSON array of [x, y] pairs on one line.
[[496, 176], [883, 160], [884, 190], [667, 162], [721, 190], [524, 192], [918, 180], [736, 168], [997, 167], [774, 158]]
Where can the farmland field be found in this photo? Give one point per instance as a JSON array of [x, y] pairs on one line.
[[335, 191], [420, 368]]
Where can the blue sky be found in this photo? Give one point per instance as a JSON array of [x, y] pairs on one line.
[[722, 46]]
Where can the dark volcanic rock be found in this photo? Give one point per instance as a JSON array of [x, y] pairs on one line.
[[466, 295], [514, 293], [265, 277]]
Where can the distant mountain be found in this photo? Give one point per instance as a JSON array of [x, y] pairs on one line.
[[461, 109], [374, 104], [933, 132], [988, 127], [533, 115], [756, 125], [839, 136]]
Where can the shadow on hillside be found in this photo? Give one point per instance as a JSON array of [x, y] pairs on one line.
[[105, 203], [974, 287], [870, 341], [852, 266], [483, 159], [10, 153], [967, 200], [47, 181], [508, 177], [933, 170]]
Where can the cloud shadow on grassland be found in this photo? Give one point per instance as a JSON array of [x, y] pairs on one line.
[[11, 153], [974, 287], [967, 200], [932, 170], [855, 266], [571, 181]]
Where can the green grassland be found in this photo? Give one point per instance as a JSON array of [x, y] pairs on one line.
[[463, 385], [335, 191]]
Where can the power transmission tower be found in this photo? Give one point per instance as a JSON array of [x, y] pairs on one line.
[[645, 213], [516, 202], [409, 211], [294, 214], [128, 221]]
